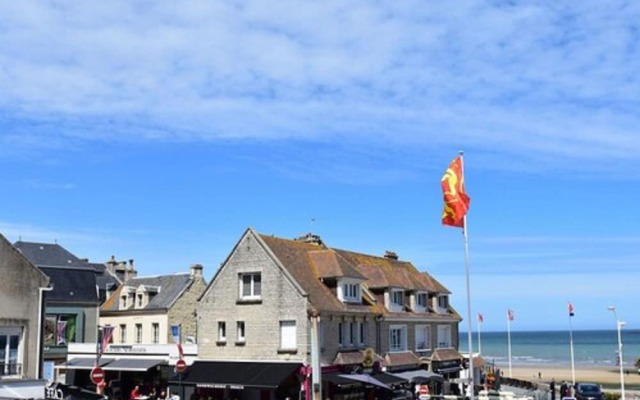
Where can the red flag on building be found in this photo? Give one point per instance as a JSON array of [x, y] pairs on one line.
[[456, 201], [107, 333], [510, 315], [61, 333], [570, 309]]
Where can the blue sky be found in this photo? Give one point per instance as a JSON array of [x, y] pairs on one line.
[[160, 131]]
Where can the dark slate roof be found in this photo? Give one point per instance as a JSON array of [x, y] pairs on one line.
[[170, 289], [104, 279], [71, 285], [73, 280], [49, 255]]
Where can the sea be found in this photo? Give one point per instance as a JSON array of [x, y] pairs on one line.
[[590, 347]]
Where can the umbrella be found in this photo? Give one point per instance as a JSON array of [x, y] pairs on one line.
[[420, 376]]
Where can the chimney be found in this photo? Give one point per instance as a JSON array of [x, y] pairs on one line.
[[129, 273], [311, 238], [391, 255], [196, 271]]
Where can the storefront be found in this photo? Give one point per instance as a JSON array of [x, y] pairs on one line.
[[240, 380]]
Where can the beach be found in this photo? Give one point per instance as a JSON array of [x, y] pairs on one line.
[[608, 377]]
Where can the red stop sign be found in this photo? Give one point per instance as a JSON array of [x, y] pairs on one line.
[[97, 375], [181, 366]]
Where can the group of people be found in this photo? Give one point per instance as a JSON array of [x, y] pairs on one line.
[[137, 393]]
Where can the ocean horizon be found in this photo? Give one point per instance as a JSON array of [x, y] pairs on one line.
[[553, 347]]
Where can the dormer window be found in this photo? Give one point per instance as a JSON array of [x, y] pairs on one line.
[[396, 300], [442, 303], [421, 299], [349, 291], [144, 294]]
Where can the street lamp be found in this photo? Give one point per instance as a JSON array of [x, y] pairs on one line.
[[619, 325]]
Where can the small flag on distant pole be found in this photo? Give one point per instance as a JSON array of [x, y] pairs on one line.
[[570, 309], [480, 318], [510, 315], [456, 201]]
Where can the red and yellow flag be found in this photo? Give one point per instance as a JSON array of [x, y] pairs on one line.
[[456, 201]]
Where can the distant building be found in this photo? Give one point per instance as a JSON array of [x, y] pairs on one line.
[[296, 306], [71, 308], [22, 291]]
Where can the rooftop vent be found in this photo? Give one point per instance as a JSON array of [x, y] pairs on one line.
[[310, 238], [391, 255]]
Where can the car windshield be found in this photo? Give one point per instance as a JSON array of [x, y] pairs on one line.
[[589, 388]]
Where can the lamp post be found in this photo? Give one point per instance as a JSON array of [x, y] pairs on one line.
[[619, 325]]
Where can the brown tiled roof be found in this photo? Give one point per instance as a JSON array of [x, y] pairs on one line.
[[397, 359], [382, 272], [330, 264], [353, 357], [309, 263], [445, 355], [294, 257]]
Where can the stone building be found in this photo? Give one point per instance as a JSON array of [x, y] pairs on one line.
[[22, 291], [314, 313]]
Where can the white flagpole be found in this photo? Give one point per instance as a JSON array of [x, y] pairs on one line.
[[469, 322], [509, 340], [573, 367], [479, 341]]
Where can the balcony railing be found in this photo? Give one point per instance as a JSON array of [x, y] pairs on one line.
[[10, 369]]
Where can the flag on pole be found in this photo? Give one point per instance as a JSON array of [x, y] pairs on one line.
[[510, 315], [107, 333], [175, 332], [456, 201], [61, 337], [480, 318], [570, 309]]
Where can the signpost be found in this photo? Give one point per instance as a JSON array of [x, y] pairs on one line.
[[181, 366], [97, 375]]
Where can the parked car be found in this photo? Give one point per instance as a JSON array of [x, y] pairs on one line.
[[588, 391]]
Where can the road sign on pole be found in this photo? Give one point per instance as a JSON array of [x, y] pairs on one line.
[[181, 366], [97, 375]]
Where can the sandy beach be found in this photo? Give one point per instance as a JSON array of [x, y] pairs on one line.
[[608, 377]]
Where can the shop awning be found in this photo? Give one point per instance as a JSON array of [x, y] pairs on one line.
[[337, 379], [237, 374], [366, 379], [83, 363], [133, 364], [420, 376], [389, 379]]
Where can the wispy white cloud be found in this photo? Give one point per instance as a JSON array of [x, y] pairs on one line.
[[536, 81]]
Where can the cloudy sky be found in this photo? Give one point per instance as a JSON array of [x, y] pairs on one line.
[[160, 131]]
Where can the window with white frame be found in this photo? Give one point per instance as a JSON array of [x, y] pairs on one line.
[[396, 300], [444, 336], [156, 332], [251, 286], [222, 331], [353, 333], [11, 351], [123, 333], [421, 300], [423, 338], [349, 291], [138, 333], [397, 338], [288, 335], [240, 331]]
